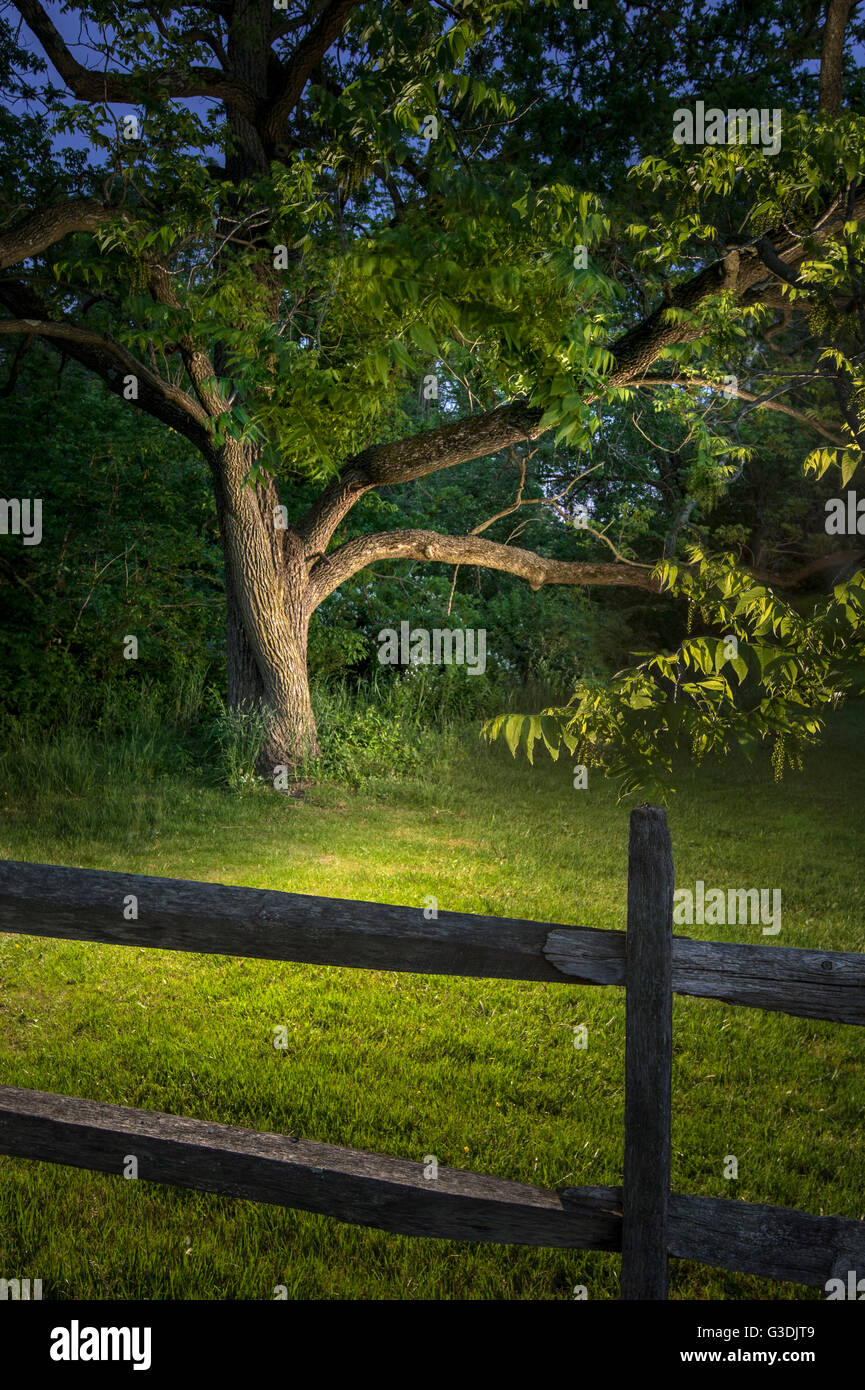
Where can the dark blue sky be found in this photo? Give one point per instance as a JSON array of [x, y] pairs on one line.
[[70, 27]]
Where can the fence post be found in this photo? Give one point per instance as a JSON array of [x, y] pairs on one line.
[[648, 1056]]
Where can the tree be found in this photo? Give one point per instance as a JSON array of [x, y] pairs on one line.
[[764, 667], [136, 551], [365, 233]]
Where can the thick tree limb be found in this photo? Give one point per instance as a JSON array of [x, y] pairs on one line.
[[332, 570], [91, 86], [470, 438], [102, 343], [309, 52], [742, 271], [48, 225], [110, 361], [832, 57], [431, 547], [387, 465]]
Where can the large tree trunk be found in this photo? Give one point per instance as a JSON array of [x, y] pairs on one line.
[[267, 614], [292, 739], [244, 686]]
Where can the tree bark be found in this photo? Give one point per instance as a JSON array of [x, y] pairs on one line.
[[244, 686], [292, 738], [267, 613], [832, 57]]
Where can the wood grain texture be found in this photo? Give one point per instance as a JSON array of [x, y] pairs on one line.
[[179, 915], [792, 979], [392, 1194], [648, 1056], [362, 1188], [786, 979], [772, 1242]]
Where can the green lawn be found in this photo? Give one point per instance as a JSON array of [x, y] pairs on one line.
[[482, 1074]]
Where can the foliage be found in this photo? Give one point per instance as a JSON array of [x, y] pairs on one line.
[[465, 270], [771, 677], [236, 736], [128, 547], [788, 667]]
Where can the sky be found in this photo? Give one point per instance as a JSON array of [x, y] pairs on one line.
[[70, 28]]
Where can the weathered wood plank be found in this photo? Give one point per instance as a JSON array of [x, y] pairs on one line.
[[810, 984], [787, 979], [648, 1056], [773, 1242], [362, 1188], [180, 915], [792, 979], [373, 1190]]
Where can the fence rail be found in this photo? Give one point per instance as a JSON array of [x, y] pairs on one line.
[[643, 1218], [180, 915], [392, 1194]]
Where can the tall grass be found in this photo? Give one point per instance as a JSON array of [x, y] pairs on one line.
[[482, 1073], [117, 753], [234, 738]]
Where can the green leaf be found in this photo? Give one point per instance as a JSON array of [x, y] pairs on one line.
[[551, 733], [849, 463], [532, 732], [423, 337], [513, 729]]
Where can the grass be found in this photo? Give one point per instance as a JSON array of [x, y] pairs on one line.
[[483, 1074]]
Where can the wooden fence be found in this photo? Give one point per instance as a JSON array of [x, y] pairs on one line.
[[642, 1218]]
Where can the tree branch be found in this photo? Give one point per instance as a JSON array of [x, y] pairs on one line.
[[469, 438], [111, 362], [309, 52], [48, 225], [740, 394], [832, 57], [118, 86], [199, 367], [386, 465], [330, 571]]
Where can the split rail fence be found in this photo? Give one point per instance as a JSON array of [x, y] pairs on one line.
[[643, 1219]]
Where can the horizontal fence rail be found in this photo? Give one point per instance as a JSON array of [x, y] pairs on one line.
[[393, 1195], [643, 1219], [211, 918]]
